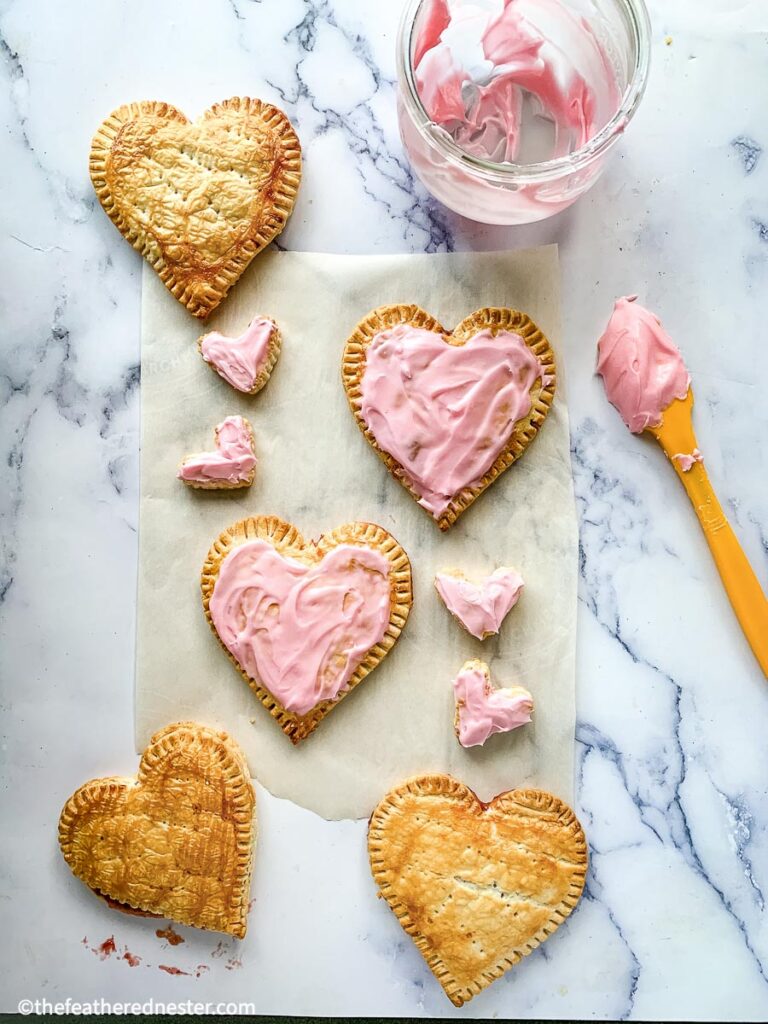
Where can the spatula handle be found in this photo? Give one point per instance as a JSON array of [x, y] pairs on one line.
[[742, 586]]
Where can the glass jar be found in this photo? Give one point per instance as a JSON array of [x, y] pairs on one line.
[[519, 193]]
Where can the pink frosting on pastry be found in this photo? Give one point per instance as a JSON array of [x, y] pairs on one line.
[[480, 607], [299, 629], [482, 711], [687, 462], [232, 462], [239, 360], [475, 62], [641, 367], [445, 411]]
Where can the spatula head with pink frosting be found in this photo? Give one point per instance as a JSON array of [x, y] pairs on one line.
[[641, 367], [646, 380]]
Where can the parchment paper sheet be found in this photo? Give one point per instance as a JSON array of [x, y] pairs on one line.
[[317, 470]]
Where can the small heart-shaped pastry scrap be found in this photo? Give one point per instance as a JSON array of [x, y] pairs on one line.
[[177, 840], [480, 607], [305, 621], [232, 465], [482, 710], [477, 886], [246, 361], [448, 412], [197, 199]]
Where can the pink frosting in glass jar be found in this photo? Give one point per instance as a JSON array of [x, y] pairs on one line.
[[476, 62], [232, 462], [482, 711], [301, 630], [480, 607], [642, 369], [445, 411]]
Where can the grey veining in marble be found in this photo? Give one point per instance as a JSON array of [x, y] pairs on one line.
[[673, 763]]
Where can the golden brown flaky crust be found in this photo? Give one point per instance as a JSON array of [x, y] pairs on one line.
[[197, 199], [175, 841], [477, 886], [225, 485], [495, 319], [273, 354], [287, 540]]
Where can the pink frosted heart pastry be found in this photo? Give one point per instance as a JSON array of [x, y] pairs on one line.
[[232, 465], [480, 607], [482, 711], [247, 360], [445, 411], [302, 630], [305, 622], [448, 412]]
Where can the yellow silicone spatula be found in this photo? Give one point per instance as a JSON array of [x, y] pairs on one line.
[[675, 435]]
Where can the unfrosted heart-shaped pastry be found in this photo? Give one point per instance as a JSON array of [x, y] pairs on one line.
[[480, 607], [197, 199], [305, 621], [477, 886], [482, 710], [231, 466], [448, 412], [176, 840]]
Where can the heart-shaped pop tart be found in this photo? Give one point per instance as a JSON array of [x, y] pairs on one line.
[[175, 841], [480, 607], [482, 710], [448, 412], [197, 199], [305, 621], [477, 886], [231, 466], [245, 361]]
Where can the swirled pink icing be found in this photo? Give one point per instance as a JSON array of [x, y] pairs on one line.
[[642, 369], [301, 630], [239, 360], [481, 710], [475, 63], [232, 462], [687, 462], [443, 411], [480, 607]]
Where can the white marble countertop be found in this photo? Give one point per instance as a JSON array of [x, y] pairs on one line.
[[672, 708]]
